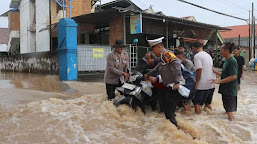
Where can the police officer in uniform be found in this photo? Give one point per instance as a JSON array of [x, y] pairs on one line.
[[169, 73], [117, 69]]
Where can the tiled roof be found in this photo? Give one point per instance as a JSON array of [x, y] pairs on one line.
[[242, 30], [4, 35], [188, 17]]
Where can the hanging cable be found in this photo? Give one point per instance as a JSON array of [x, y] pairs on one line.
[[212, 10], [236, 5]]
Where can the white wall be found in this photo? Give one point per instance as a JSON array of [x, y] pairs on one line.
[[24, 18], [3, 47], [27, 38], [42, 15], [37, 41], [32, 34]]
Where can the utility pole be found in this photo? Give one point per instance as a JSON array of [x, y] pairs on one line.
[[239, 40], [50, 25], [254, 37], [250, 46], [253, 33]]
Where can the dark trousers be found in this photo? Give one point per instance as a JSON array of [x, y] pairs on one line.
[[110, 90], [168, 102], [161, 99]]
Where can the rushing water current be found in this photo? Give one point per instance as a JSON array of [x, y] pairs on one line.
[[41, 109]]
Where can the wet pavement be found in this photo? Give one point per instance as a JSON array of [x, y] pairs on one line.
[[22, 88]]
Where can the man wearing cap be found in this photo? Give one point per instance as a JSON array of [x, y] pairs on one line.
[[117, 69], [169, 70]]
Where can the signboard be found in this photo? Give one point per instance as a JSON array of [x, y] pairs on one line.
[[98, 52], [136, 24]]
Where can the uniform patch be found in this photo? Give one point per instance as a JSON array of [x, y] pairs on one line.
[[168, 57]]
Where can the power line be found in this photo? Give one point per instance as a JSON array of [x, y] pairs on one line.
[[236, 5], [231, 4], [240, 13], [212, 10]]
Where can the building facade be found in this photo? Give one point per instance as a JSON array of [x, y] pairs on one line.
[[35, 21], [240, 36], [4, 35]]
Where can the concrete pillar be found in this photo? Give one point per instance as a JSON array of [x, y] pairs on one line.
[[116, 29], [67, 49]]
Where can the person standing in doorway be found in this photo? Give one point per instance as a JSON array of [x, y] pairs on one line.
[[204, 89], [117, 69], [228, 82], [240, 64]]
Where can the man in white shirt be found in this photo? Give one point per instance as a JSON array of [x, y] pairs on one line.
[[204, 89]]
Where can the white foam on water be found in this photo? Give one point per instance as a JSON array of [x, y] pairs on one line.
[[92, 119]]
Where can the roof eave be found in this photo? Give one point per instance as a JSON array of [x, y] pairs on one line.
[[184, 21]]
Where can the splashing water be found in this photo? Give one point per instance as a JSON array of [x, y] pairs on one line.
[[92, 119]]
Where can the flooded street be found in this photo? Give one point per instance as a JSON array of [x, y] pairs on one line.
[[41, 109]]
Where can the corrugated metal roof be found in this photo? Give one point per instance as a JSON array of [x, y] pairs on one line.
[[4, 14], [185, 22], [103, 17]]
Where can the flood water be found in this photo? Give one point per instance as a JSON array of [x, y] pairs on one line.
[[41, 109]]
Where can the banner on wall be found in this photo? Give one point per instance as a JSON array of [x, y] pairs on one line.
[[136, 24], [98, 52]]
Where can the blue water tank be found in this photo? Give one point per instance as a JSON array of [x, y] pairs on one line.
[[255, 64]]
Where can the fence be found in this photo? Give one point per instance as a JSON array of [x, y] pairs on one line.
[[92, 57], [136, 55]]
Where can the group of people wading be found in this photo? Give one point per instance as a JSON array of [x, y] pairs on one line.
[[166, 76]]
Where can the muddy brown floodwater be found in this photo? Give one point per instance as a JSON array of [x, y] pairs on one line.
[[41, 109]]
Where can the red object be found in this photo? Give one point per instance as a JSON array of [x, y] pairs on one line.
[[192, 40], [242, 30], [159, 86]]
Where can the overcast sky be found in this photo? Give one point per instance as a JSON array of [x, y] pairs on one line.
[[238, 8]]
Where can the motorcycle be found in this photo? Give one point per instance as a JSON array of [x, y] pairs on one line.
[[132, 92]]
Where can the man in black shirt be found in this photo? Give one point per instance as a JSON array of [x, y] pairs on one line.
[[240, 62]]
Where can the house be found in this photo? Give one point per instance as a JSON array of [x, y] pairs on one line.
[[212, 41], [240, 36], [123, 19], [13, 46], [35, 31], [98, 28], [113, 20], [4, 36], [35, 21]]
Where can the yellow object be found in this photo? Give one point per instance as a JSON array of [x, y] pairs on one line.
[[98, 52]]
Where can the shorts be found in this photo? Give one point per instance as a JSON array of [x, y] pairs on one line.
[[203, 97], [229, 103], [188, 100]]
